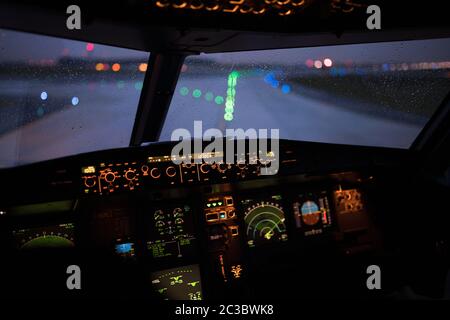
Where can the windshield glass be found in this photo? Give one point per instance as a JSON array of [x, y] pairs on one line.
[[379, 94], [60, 97]]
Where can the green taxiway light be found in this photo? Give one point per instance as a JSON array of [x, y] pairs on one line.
[[197, 93], [209, 96], [219, 100], [184, 91]]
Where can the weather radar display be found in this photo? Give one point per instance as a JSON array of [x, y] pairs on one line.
[[264, 221]]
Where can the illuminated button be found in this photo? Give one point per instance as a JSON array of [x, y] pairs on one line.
[[212, 217], [223, 215], [229, 201]]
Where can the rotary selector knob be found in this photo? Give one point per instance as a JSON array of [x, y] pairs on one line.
[[222, 167], [171, 171], [130, 174], [205, 168], [89, 182], [110, 177], [155, 173]]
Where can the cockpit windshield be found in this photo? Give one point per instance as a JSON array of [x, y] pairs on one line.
[[379, 94], [61, 97]]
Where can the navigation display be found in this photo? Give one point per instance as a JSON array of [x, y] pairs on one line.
[[181, 283], [264, 221], [171, 232]]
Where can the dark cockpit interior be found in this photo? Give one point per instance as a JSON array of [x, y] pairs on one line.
[[355, 175]]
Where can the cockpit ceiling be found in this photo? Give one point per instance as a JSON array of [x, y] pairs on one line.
[[189, 26]]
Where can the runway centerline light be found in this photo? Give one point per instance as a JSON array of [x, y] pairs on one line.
[[184, 91]]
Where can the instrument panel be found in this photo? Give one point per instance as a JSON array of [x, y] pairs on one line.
[[220, 236], [157, 214], [112, 177]]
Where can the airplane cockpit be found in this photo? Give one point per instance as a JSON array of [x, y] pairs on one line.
[[224, 150]]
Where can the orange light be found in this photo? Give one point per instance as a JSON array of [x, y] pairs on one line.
[[258, 7], [115, 67], [143, 67], [99, 67]]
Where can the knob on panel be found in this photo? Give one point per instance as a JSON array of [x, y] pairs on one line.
[[89, 182], [171, 171], [144, 170], [130, 174], [222, 167], [110, 177], [155, 173], [205, 168]]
